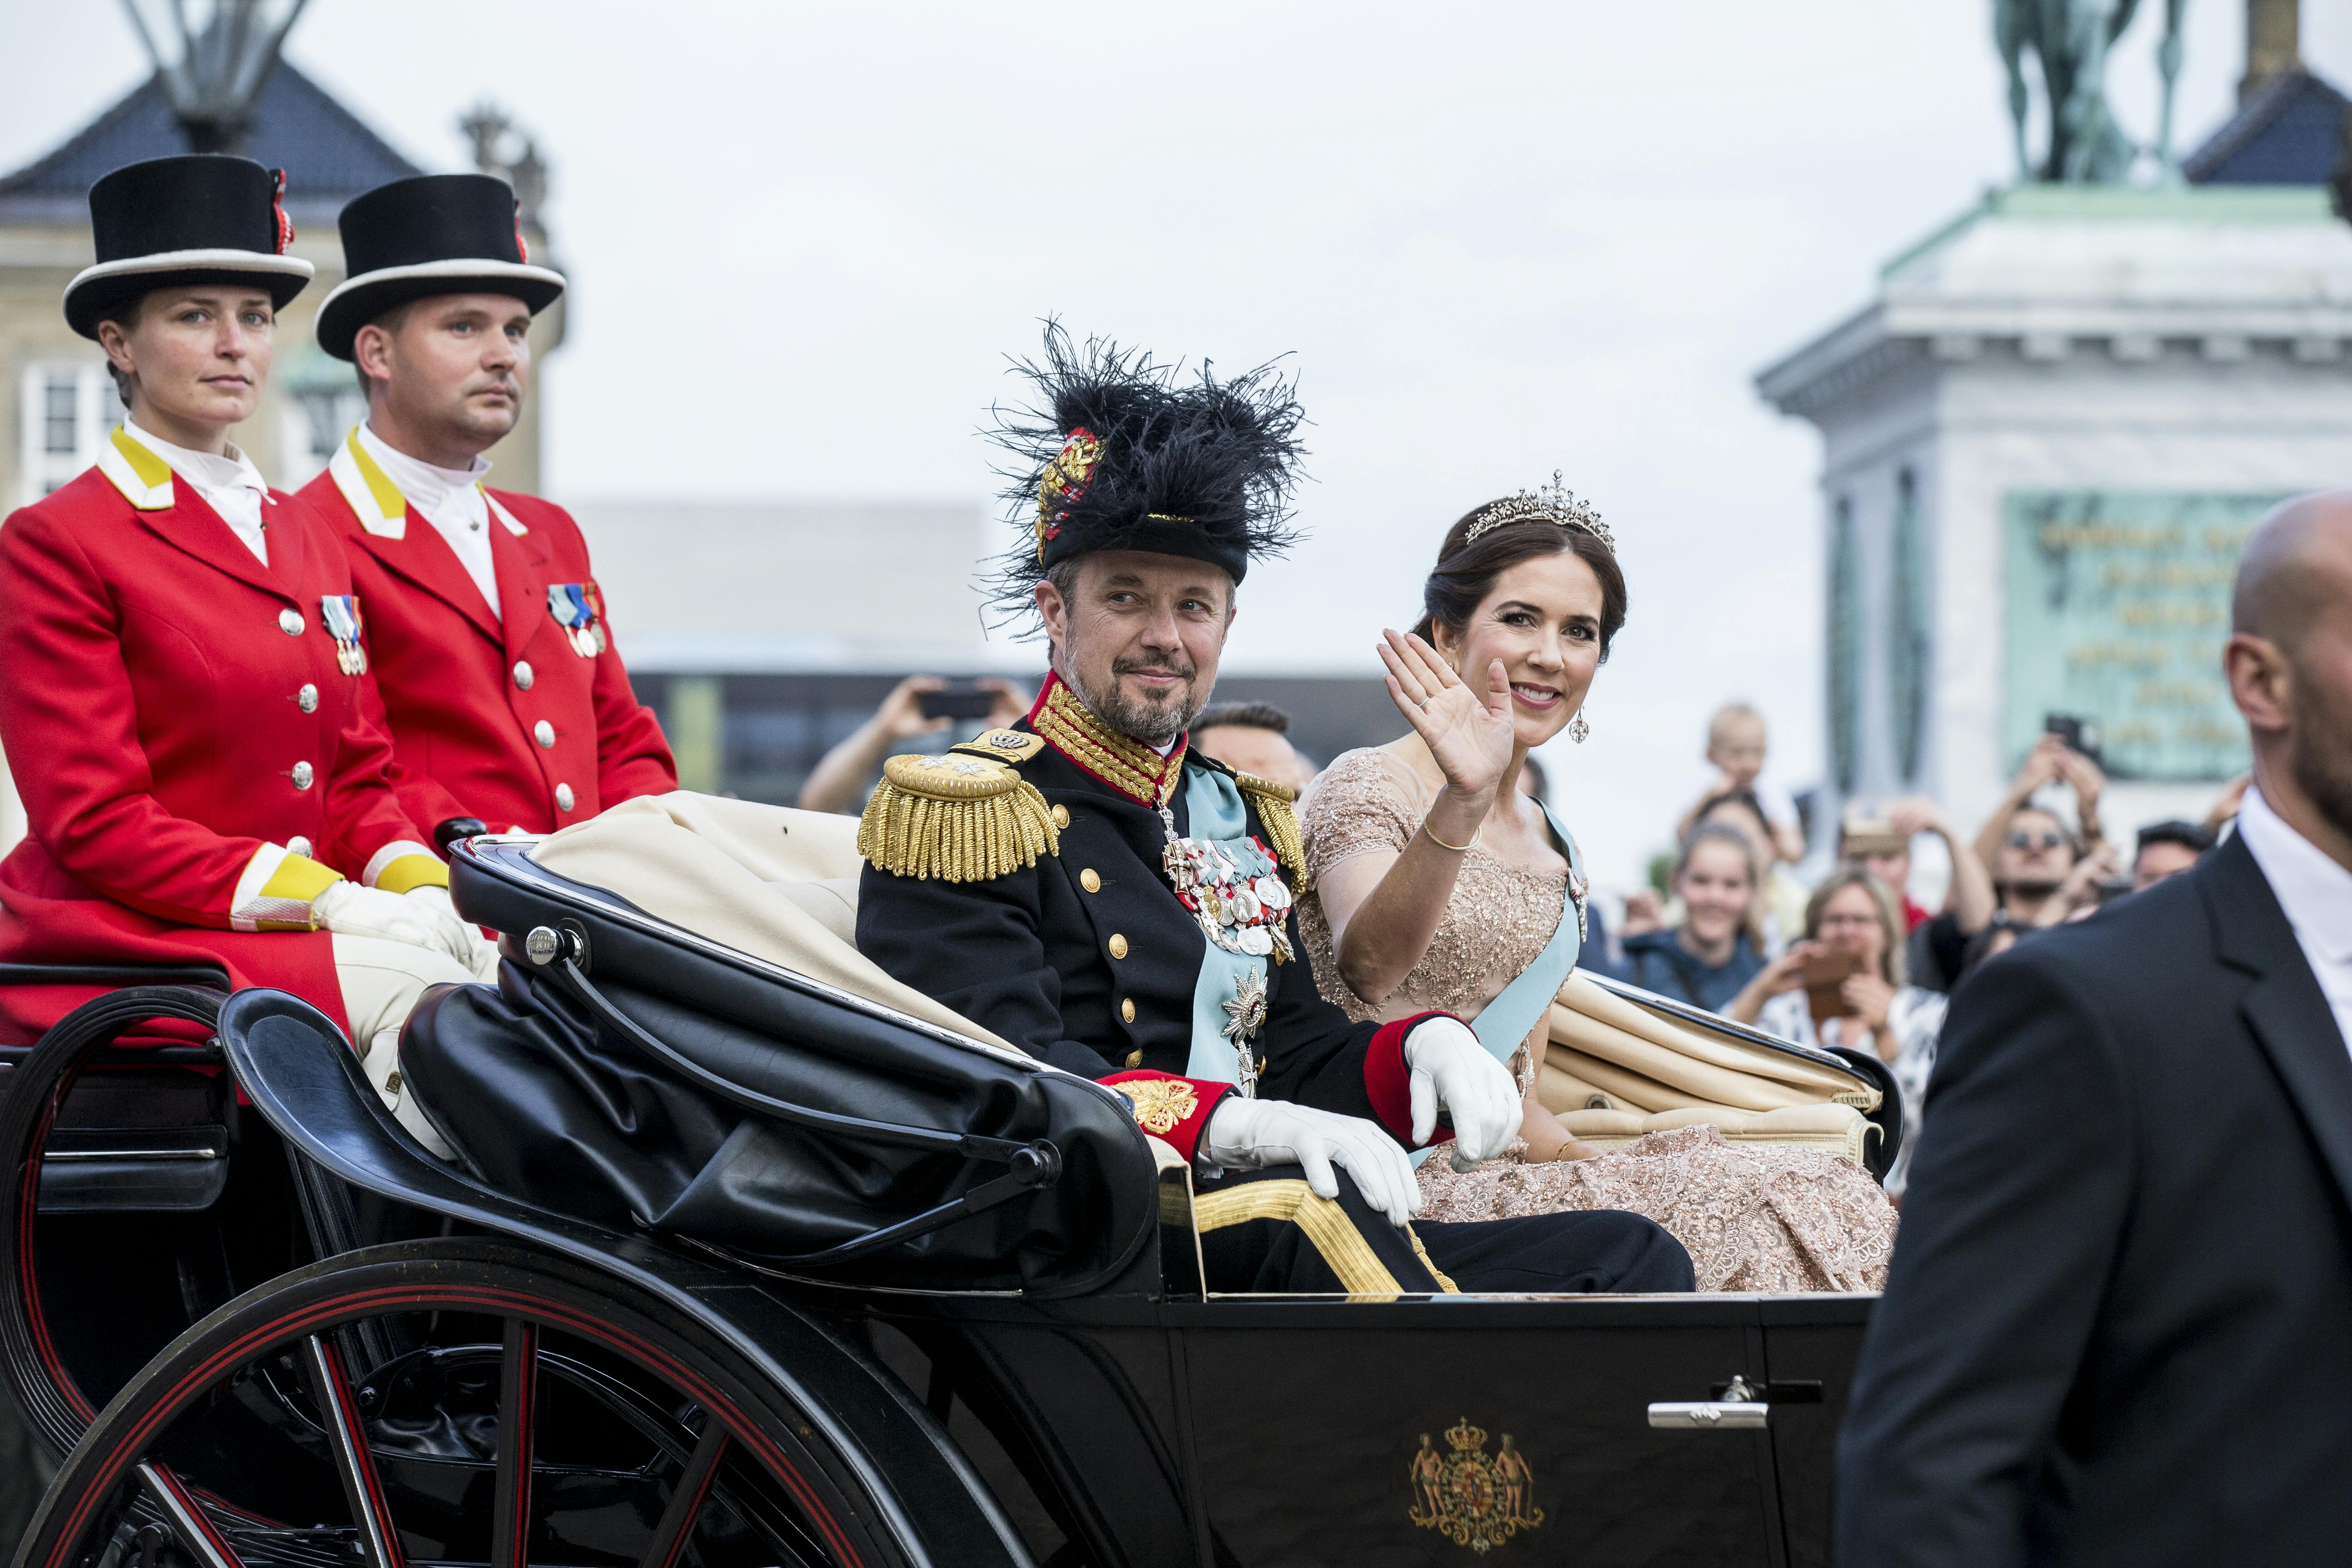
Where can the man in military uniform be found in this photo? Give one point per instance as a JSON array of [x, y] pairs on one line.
[[504, 696], [1089, 888]]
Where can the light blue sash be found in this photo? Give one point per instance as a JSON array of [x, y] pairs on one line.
[[1214, 810], [1504, 1024]]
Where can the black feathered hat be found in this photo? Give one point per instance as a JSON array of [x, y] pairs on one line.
[[432, 234], [1121, 452], [201, 219]]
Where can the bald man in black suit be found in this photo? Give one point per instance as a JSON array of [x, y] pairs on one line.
[[2118, 1327]]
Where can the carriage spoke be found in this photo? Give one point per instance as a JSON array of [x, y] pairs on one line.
[[677, 1526], [189, 1522], [518, 1412], [347, 1437]]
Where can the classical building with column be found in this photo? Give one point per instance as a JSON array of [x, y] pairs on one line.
[[2045, 439]]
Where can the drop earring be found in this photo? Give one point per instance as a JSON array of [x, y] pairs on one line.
[[1578, 729]]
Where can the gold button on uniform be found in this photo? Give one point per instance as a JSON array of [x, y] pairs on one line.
[[307, 699], [1126, 1010], [1089, 881], [1061, 817], [1135, 1058], [1117, 945]]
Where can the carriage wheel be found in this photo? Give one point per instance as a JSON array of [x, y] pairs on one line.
[[544, 1413]]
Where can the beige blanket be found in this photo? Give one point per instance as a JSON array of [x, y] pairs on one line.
[[767, 880]]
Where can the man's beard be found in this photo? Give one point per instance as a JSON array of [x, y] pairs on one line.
[[1155, 724], [2321, 755]]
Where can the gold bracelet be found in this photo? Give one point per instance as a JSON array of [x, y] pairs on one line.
[[1457, 849]]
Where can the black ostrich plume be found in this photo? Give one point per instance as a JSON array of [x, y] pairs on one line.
[[1121, 451]]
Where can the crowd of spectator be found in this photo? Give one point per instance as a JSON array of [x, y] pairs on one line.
[[1848, 958]]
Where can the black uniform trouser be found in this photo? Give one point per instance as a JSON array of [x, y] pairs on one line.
[[1267, 1232]]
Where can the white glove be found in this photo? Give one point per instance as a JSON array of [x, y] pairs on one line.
[[354, 910], [1452, 1069], [1251, 1134], [481, 954]]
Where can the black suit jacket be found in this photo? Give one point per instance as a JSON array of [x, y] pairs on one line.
[[2118, 1326], [1030, 955]]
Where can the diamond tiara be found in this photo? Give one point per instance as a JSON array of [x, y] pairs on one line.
[[1549, 504]]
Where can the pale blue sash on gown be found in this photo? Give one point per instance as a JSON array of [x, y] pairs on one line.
[[1504, 1024]]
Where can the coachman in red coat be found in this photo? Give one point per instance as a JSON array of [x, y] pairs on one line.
[[182, 690], [505, 697]]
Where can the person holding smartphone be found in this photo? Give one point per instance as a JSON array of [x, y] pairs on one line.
[[1842, 987], [918, 705]]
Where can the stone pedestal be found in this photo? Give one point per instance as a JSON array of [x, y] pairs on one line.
[[2044, 441]]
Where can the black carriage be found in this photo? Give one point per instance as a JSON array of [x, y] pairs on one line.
[[986, 1340]]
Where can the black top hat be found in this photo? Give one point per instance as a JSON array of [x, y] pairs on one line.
[[200, 218], [1120, 452], [435, 234]]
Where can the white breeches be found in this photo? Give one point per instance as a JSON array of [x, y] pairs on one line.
[[382, 982]]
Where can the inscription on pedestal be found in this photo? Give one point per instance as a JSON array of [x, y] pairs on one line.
[[2118, 603]]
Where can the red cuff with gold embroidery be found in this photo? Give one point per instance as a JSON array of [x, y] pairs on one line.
[[1389, 1082], [1173, 1109]]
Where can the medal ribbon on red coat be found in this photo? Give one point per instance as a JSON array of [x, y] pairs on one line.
[[339, 614], [578, 611]]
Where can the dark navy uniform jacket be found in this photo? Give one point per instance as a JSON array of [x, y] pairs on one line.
[[1086, 959]]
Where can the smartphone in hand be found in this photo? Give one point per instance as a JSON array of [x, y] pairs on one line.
[[957, 702]]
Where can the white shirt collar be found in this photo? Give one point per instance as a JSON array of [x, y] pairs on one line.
[[428, 488], [228, 481], [207, 471], [2314, 891], [452, 500]]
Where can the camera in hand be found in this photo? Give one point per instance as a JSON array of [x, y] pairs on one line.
[[1825, 977], [958, 702]]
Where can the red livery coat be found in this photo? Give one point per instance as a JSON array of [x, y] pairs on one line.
[[464, 693], [153, 711]]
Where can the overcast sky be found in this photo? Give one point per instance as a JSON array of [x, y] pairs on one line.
[[1499, 239]]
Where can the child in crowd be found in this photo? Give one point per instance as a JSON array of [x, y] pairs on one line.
[[1736, 744]]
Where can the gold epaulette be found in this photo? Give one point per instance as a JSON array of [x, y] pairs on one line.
[[1005, 745], [957, 818], [1275, 809]]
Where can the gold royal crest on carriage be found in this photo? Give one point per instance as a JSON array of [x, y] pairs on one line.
[[1474, 1498]]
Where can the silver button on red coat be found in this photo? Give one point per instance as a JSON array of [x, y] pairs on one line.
[[297, 845], [523, 675], [303, 775], [307, 699], [543, 732], [290, 622], [562, 797]]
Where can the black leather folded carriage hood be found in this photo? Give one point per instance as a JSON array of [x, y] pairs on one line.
[[545, 1102]]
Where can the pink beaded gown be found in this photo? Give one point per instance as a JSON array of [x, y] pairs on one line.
[[1753, 1217]]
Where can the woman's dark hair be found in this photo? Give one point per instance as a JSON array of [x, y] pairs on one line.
[[1466, 569]]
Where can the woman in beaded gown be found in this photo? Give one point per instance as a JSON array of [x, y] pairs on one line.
[[1433, 883]]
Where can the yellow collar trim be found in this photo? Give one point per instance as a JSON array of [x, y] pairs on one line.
[[381, 510], [141, 474], [1122, 762]]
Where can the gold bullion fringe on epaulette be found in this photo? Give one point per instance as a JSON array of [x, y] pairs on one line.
[[973, 835], [1281, 820]]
